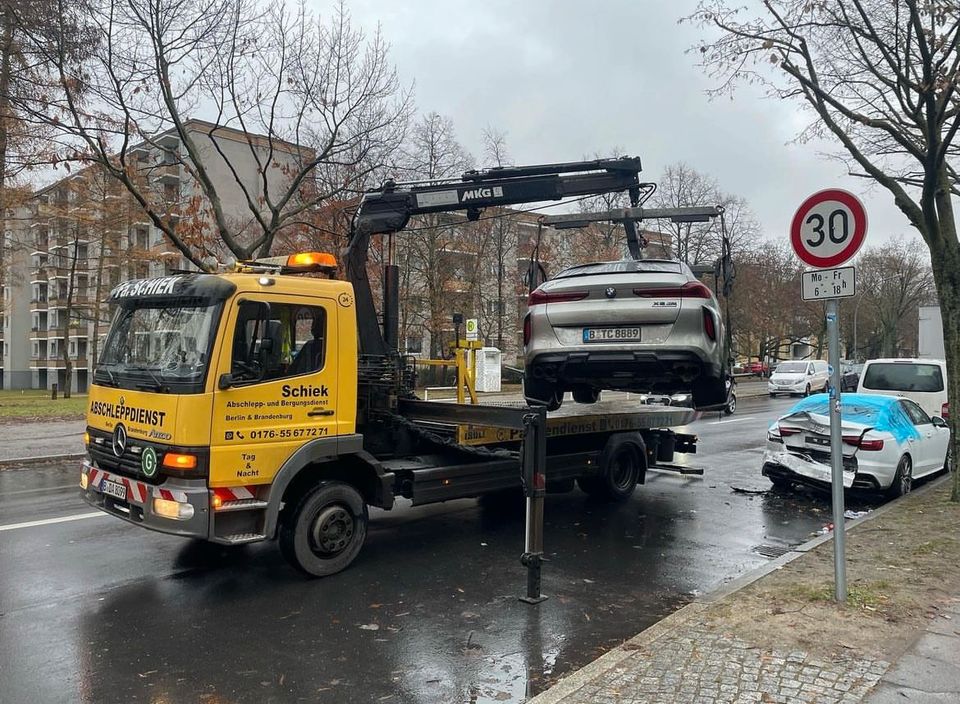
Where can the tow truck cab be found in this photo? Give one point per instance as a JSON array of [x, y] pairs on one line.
[[208, 387]]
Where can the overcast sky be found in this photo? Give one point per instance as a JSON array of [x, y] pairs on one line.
[[568, 78]]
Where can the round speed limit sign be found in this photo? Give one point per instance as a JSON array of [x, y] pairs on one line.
[[829, 228]]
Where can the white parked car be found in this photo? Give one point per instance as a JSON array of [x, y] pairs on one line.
[[887, 443], [799, 377], [923, 381]]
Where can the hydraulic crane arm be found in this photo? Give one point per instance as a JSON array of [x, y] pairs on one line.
[[390, 208]]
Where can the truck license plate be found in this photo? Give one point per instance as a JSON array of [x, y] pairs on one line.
[[611, 334], [114, 489]]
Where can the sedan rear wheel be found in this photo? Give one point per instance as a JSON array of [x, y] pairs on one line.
[[903, 478]]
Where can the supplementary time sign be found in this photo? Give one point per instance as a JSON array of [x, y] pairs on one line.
[[829, 283]]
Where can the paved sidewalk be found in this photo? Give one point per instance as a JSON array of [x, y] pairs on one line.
[[930, 670], [699, 655], [32, 439]]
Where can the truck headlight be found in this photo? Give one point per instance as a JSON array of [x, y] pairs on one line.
[[172, 509]]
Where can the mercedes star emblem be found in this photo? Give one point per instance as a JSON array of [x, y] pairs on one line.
[[611, 292], [119, 440]]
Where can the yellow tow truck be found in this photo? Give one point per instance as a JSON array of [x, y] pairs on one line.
[[268, 401]]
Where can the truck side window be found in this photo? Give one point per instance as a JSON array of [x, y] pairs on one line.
[[277, 340]]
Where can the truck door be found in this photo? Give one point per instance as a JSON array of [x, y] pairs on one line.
[[276, 386]]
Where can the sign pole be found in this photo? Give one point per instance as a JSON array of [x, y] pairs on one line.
[[836, 455]]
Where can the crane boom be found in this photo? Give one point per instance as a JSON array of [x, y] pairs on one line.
[[389, 209]]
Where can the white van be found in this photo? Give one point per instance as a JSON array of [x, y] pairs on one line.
[[799, 377], [923, 381]]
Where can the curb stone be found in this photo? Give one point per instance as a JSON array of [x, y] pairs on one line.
[[27, 461], [608, 661]]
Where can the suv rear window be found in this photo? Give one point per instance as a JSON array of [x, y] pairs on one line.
[[891, 376], [627, 266]]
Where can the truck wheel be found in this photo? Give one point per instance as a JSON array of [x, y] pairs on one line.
[[584, 394], [621, 467], [540, 393], [325, 531]]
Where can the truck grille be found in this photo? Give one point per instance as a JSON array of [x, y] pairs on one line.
[[129, 464]]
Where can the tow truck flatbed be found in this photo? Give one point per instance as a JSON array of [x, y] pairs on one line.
[[578, 438]]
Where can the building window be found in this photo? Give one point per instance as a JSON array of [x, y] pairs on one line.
[[414, 345]]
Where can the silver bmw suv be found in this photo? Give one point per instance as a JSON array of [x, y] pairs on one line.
[[645, 325]]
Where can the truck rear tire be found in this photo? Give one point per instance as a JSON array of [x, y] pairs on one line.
[[325, 530], [621, 465]]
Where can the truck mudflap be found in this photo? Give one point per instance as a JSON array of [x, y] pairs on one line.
[[177, 506]]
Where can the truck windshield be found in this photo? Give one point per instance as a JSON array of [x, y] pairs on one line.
[[161, 346]]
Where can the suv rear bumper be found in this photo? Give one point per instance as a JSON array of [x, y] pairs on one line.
[[642, 369]]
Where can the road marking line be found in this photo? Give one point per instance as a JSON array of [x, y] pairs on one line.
[[49, 521], [44, 490], [735, 420]]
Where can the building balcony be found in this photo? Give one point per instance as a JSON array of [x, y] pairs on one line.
[[38, 334], [167, 173], [37, 306]]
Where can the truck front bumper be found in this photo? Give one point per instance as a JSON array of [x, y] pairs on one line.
[[175, 506]]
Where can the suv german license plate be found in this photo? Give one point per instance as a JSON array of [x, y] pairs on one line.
[[114, 489], [611, 334]]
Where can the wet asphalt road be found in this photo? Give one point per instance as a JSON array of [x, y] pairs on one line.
[[96, 610]]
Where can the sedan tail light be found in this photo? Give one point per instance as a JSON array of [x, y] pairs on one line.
[[945, 411], [691, 289], [539, 296], [862, 443], [788, 431]]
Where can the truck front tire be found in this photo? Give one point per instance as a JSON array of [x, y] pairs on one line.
[[324, 532]]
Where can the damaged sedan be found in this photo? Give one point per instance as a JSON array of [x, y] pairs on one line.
[[888, 442]]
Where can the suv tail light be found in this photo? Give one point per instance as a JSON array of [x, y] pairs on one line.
[[709, 324], [539, 296], [945, 411], [691, 289], [527, 329]]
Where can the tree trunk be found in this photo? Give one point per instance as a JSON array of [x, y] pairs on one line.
[[65, 323], [945, 260]]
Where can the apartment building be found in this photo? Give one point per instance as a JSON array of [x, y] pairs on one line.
[[82, 235]]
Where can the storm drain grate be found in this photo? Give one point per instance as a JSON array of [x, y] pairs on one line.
[[772, 550]]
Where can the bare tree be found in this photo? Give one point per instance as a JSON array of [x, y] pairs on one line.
[[434, 249], [895, 279], [497, 236], [316, 103], [700, 243], [881, 79]]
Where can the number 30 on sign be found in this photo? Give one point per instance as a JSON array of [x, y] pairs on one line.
[[828, 228]]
